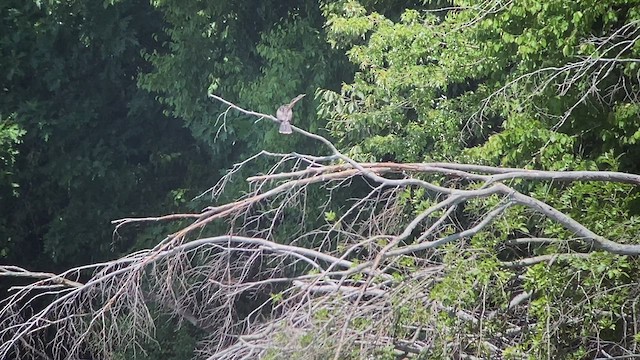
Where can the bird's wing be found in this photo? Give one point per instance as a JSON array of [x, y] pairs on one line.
[[284, 113]]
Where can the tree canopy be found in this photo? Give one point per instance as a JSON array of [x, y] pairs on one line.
[[460, 182]]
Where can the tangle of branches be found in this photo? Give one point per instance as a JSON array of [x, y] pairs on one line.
[[261, 288]]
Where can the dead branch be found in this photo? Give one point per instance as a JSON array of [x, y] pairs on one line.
[[342, 283]]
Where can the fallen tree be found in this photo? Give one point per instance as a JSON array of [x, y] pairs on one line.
[[371, 279]]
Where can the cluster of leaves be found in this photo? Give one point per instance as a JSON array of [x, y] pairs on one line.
[[93, 146], [258, 53], [511, 84], [10, 137]]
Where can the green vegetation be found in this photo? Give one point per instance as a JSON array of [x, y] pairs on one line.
[[104, 115]]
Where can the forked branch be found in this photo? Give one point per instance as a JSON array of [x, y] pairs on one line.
[[341, 278]]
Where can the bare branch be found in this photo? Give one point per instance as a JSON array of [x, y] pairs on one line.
[[345, 283]]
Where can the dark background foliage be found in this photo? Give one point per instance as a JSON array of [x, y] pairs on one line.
[[104, 113]]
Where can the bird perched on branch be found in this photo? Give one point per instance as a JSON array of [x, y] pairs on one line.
[[285, 115]]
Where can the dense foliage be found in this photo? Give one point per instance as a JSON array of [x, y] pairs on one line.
[[258, 53], [104, 114], [93, 146], [545, 85]]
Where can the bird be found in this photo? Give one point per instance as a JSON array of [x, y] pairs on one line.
[[285, 115]]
